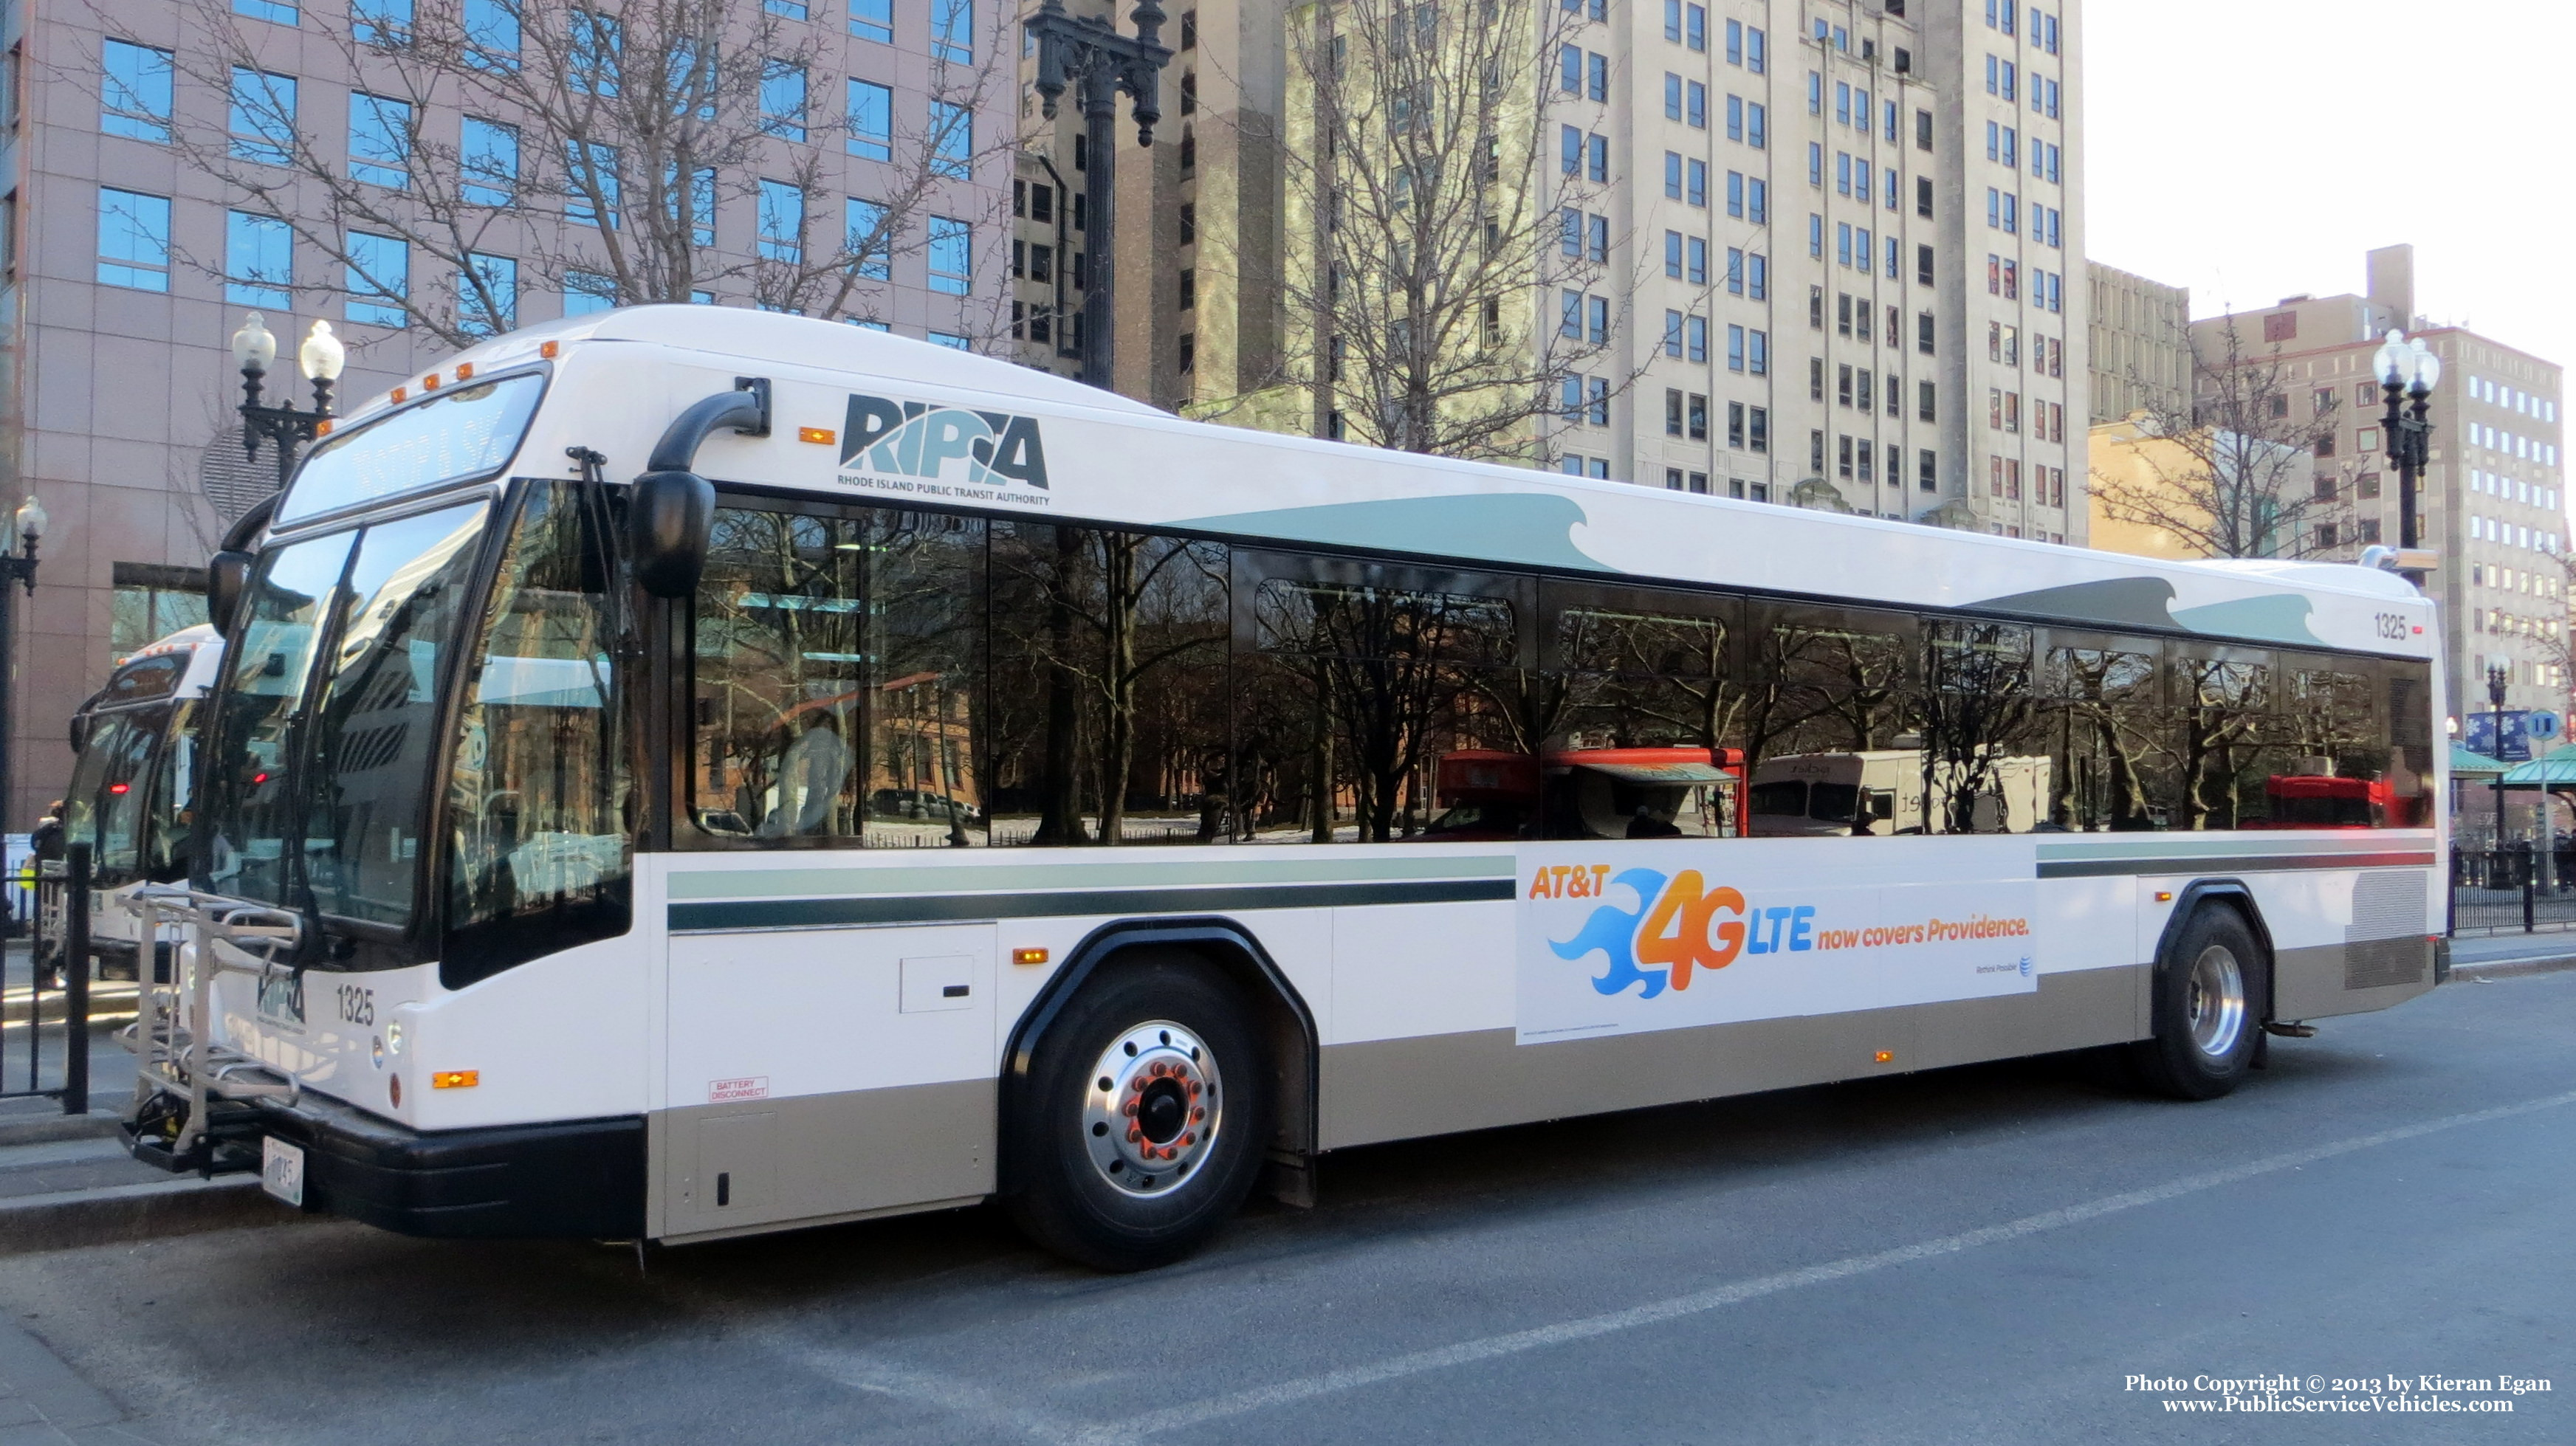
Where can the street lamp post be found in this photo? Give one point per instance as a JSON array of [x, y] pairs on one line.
[[2497, 676], [19, 568], [1092, 55], [2407, 369], [321, 359]]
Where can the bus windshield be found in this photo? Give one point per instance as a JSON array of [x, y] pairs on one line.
[[321, 743], [109, 785], [450, 437]]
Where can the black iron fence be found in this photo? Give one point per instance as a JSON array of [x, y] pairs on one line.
[[2513, 890], [44, 992]]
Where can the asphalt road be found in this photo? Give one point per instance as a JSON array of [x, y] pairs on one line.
[[1973, 1255]]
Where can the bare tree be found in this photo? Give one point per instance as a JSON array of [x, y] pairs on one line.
[[1423, 292], [599, 145], [2229, 470]]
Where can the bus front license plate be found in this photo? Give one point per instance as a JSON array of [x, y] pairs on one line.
[[281, 1170]]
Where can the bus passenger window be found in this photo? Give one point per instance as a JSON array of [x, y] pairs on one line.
[[2216, 743], [1826, 725], [1985, 764], [1636, 748], [1358, 693], [835, 687], [2105, 726], [1107, 717]]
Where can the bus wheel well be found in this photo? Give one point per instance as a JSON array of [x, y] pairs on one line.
[[2231, 894], [1225, 950]]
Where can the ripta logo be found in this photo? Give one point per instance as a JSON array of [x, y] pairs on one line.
[[281, 999], [1679, 925], [916, 439]]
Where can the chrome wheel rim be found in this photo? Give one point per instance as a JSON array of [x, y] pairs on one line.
[[1153, 1110], [2216, 1007]]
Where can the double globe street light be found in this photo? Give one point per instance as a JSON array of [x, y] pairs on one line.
[[322, 358], [2407, 369]]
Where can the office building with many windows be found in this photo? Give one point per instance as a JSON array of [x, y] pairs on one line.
[[2140, 349], [2493, 500], [154, 192], [1832, 244], [1855, 223]]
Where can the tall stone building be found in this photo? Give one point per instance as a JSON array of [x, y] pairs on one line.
[[1196, 216], [1851, 222], [2493, 501], [128, 268], [2139, 343]]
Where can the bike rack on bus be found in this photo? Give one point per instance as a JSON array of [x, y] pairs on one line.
[[173, 1033]]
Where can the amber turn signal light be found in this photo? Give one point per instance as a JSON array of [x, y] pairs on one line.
[[455, 1079], [820, 436], [1028, 956], [1884, 1056]]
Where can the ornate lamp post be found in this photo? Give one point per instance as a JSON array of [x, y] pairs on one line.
[[1088, 53], [2497, 676], [20, 569], [321, 359], [2407, 369]]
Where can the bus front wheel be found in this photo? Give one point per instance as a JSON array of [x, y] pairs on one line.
[[2209, 993], [1140, 1126]]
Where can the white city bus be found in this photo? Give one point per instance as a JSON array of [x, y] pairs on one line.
[[133, 764], [683, 772]]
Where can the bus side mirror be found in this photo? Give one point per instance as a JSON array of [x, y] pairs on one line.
[[227, 578], [667, 522]]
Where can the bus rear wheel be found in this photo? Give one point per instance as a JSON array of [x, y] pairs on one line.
[[2210, 991], [1140, 1126]]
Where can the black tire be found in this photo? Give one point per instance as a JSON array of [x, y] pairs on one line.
[[1071, 1184], [2212, 991]]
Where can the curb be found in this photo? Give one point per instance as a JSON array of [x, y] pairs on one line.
[[2512, 968], [44, 1129], [121, 1214]]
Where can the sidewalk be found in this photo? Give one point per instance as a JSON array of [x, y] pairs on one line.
[[2492, 955]]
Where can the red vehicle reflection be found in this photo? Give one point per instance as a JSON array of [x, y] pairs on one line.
[[1589, 793], [2315, 801]]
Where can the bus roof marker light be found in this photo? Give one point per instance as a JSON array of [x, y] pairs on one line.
[[1884, 1056], [400, 394], [549, 349], [465, 371], [429, 383]]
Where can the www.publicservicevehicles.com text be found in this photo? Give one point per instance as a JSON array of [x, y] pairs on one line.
[[2300, 1395]]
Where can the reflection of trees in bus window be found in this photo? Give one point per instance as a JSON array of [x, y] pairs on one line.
[[835, 679], [2220, 719], [2324, 760], [2106, 772], [1825, 698], [1985, 763], [1356, 693], [1108, 710], [539, 798], [1638, 746]]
